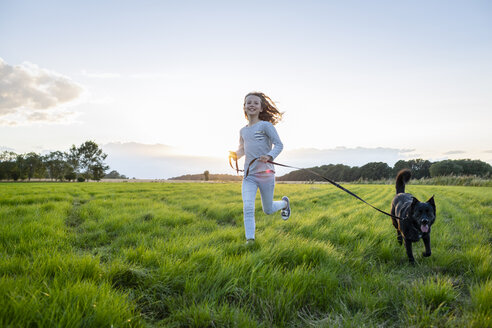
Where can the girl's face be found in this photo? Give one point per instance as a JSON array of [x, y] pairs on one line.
[[252, 105]]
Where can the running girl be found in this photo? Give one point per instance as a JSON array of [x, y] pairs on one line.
[[255, 141]]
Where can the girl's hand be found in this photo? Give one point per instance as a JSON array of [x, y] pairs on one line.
[[265, 158]]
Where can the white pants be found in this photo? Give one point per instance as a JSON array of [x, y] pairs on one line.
[[266, 183]]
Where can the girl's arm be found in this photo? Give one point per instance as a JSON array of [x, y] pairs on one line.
[[240, 150], [278, 146]]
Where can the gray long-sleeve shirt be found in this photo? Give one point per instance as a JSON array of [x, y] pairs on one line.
[[257, 140]]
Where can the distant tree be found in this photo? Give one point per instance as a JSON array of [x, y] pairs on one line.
[[340, 172], [419, 167], [461, 167], [91, 160], [72, 157], [7, 156], [70, 175], [7, 164], [446, 167], [14, 171], [97, 171], [34, 165], [337, 172], [400, 165], [21, 168], [4, 170], [114, 175], [475, 167], [375, 171], [55, 164], [206, 174], [353, 174]]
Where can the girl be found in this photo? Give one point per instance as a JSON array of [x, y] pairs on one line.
[[255, 142]]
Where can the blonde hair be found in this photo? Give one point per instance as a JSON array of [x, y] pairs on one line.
[[269, 111]]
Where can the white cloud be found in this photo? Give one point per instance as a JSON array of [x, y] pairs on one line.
[[55, 116], [4, 122], [30, 117], [29, 94]]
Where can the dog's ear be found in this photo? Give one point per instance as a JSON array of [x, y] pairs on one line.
[[415, 201], [432, 203]]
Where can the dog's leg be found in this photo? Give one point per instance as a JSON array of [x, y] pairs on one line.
[[427, 243], [408, 246], [398, 233]]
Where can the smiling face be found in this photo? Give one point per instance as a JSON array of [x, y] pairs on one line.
[[252, 106]]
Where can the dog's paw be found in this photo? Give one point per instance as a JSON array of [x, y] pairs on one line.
[[425, 254], [400, 240]]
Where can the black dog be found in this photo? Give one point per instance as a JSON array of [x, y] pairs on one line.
[[414, 219]]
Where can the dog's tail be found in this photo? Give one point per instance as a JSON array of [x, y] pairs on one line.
[[402, 178]]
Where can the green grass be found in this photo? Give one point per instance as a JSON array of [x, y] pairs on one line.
[[174, 255]]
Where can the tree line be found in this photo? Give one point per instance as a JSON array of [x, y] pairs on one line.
[[85, 162], [379, 171]]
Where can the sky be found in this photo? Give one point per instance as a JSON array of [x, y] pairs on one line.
[[160, 84]]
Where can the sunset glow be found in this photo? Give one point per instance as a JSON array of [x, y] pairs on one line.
[[409, 77]]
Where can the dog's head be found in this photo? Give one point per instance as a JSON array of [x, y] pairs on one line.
[[423, 214]]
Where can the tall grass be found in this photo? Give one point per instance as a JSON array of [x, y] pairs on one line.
[[174, 255], [472, 181]]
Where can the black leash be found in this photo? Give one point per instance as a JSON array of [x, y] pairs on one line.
[[321, 176]]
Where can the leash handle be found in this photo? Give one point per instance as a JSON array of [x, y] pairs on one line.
[[235, 159]]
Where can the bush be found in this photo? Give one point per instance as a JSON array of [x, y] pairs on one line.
[[80, 179], [460, 167], [70, 176]]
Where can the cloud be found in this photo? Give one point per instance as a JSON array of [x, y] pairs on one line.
[[29, 93], [488, 151], [4, 122], [26, 118], [56, 116], [454, 152]]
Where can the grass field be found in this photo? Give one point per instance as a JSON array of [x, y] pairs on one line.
[[174, 255]]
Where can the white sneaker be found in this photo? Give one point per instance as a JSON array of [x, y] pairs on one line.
[[285, 213]]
